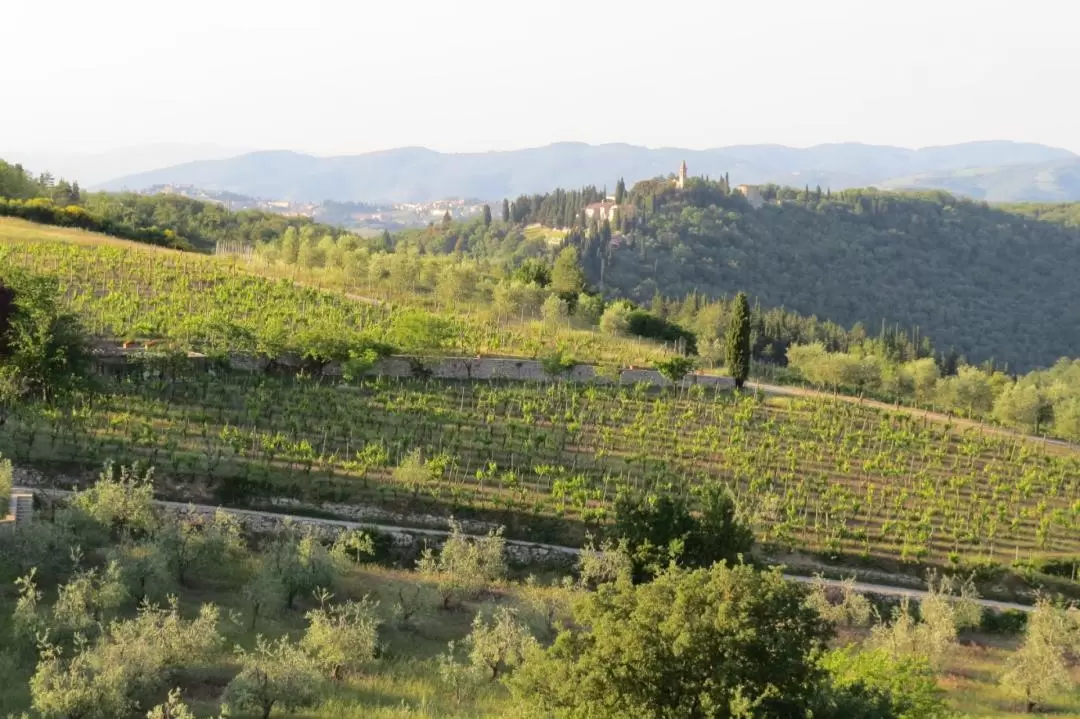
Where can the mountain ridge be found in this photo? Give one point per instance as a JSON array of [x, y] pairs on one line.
[[416, 174]]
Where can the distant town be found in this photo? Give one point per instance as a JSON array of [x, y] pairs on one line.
[[353, 215]]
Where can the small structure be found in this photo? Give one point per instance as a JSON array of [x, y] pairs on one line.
[[680, 181], [752, 193], [22, 507], [601, 211], [21, 511]]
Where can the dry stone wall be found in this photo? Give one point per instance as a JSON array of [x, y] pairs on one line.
[[461, 368]]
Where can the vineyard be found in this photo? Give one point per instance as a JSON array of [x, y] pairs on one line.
[[128, 292], [807, 473]]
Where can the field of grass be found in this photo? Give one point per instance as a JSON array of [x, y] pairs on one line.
[[549, 235]]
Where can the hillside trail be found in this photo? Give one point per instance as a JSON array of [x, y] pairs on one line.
[[885, 590]]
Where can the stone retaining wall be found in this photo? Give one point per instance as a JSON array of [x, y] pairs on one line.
[[377, 515], [407, 543], [462, 368]]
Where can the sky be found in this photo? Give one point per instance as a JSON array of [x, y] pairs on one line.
[[338, 77]]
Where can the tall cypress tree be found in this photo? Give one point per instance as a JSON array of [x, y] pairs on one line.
[[738, 341], [487, 215], [506, 210]]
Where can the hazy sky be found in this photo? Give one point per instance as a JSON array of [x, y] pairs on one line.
[[352, 76]]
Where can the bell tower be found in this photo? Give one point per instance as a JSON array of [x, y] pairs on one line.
[[681, 182]]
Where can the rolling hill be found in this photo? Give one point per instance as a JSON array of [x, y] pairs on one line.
[[417, 174], [994, 283], [1044, 182]]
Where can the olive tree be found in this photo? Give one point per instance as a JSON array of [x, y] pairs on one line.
[[173, 708], [342, 638], [464, 566], [129, 663], [296, 563], [197, 544], [120, 503], [947, 607], [1040, 666], [273, 674], [499, 643]]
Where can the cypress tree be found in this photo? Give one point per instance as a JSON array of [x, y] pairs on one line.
[[738, 341], [487, 215], [506, 210]]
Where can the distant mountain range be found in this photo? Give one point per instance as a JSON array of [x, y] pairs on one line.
[[93, 168], [994, 171]]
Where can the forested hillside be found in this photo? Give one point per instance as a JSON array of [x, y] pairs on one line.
[[994, 283]]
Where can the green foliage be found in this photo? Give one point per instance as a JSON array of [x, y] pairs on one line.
[[42, 350], [555, 310], [87, 602], [876, 685], [970, 391], [500, 643], [1003, 273], [558, 362], [1041, 666], [460, 680], [352, 546], [202, 224], [533, 271], [567, 277], [47, 212], [144, 567], [931, 635], [173, 708], [737, 355], [7, 478], [658, 529], [689, 644], [417, 330], [17, 183], [611, 562], [849, 609], [120, 503], [464, 567], [125, 666], [342, 638], [200, 545], [550, 605], [299, 563], [273, 674], [616, 319], [674, 369]]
